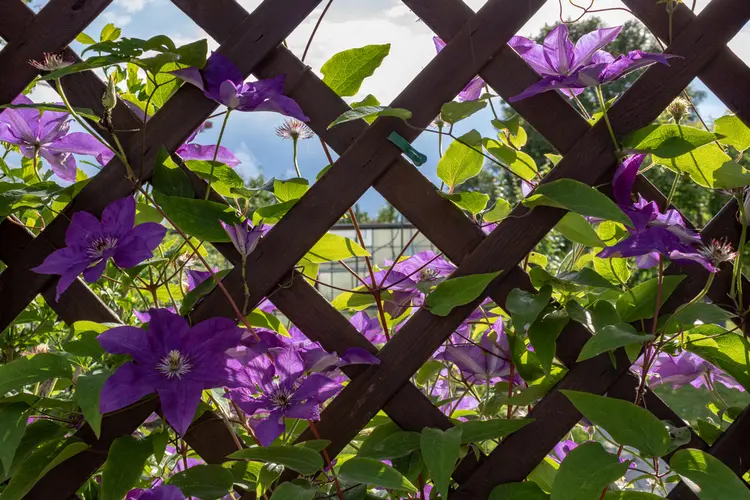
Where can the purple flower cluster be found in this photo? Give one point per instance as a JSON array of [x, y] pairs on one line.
[[572, 68], [654, 233], [686, 368], [46, 132]]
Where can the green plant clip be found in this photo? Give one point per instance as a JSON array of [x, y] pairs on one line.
[[415, 156]]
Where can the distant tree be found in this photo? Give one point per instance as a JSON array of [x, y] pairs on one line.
[[388, 213]]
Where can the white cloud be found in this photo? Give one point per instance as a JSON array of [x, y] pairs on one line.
[[119, 20], [132, 5], [250, 167]]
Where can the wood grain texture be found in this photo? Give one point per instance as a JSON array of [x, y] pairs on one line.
[[254, 38]]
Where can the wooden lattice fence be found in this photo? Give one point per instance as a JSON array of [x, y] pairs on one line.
[[476, 45]]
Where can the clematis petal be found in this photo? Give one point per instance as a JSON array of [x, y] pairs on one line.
[[206, 153], [218, 69], [622, 181], [473, 90], [289, 365], [439, 43], [590, 43], [631, 61], [533, 54], [229, 95], [78, 143], [62, 164], [93, 273], [191, 75], [83, 226], [359, 356], [246, 401], [269, 429], [558, 50], [309, 410], [179, 402], [126, 386], [283, 105], [119, 216], [127, 340], [138, 244], [25, 130], [166, 331], [548, 83], [68, 263], [468, 359]]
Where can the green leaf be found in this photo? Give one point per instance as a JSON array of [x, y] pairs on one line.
[[110, 33], [668, 140], [453, 112], [544, 474], [577, 197], [475, 431], [353, 301], [88, 388], [85, 39], [125, 461], [611, 337], [585, 472], [398, 444], [345, 71], [194, 53], [200, 291], [543, 336], [315, 444], [518, 162], [369, 100], [303, 460], [168, 179], [726, 350], [628, 424], [735, 132], [631, 495], [223, 177], [33, 369], [578, 230], [146, 213], [455, 292], [462, 160], [332, 247], [291, 189], [615, 270], [706, 166], [13, 419], [518, 491], [207, 482], [685, 318], [371, 112], [291, 491], [498, 212], [198, 218], [707, 476], [640, 301], [524, 307], [440, 452], [374, 472], [271, 214], [471, 201]]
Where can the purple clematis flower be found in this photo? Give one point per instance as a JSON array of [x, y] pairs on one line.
[[195, 277], [317, 359], [562, 449], [91, 243], [244, 236], [687, 368], [278, 390], [572, 68], [47, 132], [410, 278], [490, 360], [145, 316], [192, 151], [473, 89], [172, 359], [653, 234], [441, 391], [163, 492], [369, 327], [221, 81]]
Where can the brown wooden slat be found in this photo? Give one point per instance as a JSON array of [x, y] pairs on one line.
[[258, 34], [56, 25], [351, 175]]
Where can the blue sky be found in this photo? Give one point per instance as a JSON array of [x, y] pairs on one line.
[[349, 23]]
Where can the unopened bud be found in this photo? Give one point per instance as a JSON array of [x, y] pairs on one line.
[[679, 109], [109, 99]]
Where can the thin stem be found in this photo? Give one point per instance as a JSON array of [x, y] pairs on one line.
[[672, 191], [603, 106], [315, 29], [35, 163], [315, 432], [216, 153], [737, 275], [294, 149]]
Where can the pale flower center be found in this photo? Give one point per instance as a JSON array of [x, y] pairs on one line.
[[282, 397], [101, 244], [174, 364], [427, 274]]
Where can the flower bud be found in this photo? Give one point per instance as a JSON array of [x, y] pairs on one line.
[[678, 109], [109, 99]]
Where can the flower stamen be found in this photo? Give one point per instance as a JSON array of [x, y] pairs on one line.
[[174, 364]]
